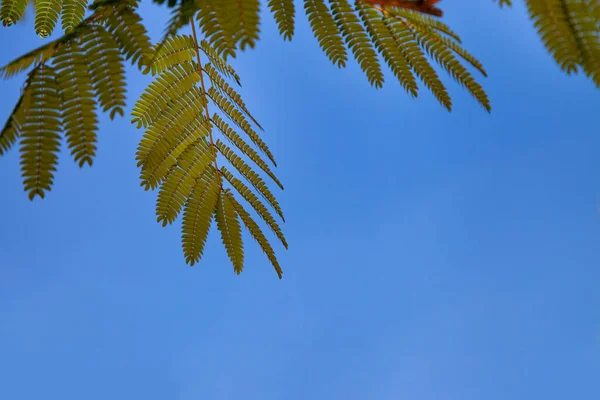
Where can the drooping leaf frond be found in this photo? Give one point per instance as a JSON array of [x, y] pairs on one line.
[[256, 233], [426, 21], [11, 11], [78, 109], [402, 35], [219, 22], [416, 35], [106, 69], [326, 31], [249, 23], [72, 78], [358, 41], [40, 135], [73, 12], [571, 34], [125, 24], [363, 28], [46, 16], [185, 108], [440, 49], [570, 30], [393, 54], [180, 153], [198, 215], [231, 231], [284, 12], [47, 13], [229, 25]]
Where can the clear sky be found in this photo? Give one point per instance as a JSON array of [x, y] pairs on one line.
[[433, 255]]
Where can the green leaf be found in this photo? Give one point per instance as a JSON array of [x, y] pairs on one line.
[[197, 216], [231, 231]]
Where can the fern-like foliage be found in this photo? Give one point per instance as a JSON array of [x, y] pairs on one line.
[[407, 40], [404, 39], [570, 30], [201, 148], [326, 31], [78, 108], [189, 112], [358, 40], [46, 16], [284, 12], [71, 79], [40, 139], [73, 12], [47, 13]]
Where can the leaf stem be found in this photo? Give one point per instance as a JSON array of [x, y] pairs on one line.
[[201, 72]]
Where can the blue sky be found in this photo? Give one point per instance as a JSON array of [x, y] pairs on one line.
[[433, 255]]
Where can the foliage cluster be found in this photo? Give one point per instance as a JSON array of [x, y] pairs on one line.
[[201, 148]]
